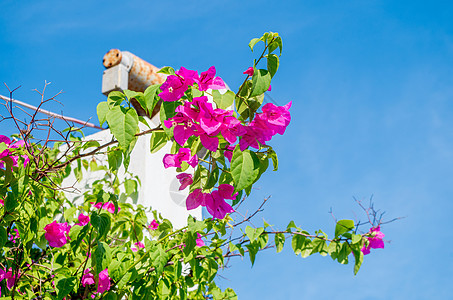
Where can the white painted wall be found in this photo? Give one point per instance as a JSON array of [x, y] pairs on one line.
[[159, 186]]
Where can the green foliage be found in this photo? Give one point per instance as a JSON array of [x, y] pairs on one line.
[[343, 226], [245, 167], [123, 123], [143, 262]]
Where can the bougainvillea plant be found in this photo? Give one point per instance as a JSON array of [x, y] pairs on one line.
[[108, 248]]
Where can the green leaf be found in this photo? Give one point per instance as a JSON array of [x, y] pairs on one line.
[[261, 81], [167, 111], [272, 64], [9, 176], [245, 167], [279, 241], [3, 236], [159, 258], [150, 97], [69, 213], [115, 98], [212, 179], [167, 70], [344, 253], [138, 96], [102, 110], [253, 233], [319, 245], [253, 249], [65, 286], [102, 257], [278, 40], [343, 226], [290, 225], [298, 242], [223, 101], [10, 203], [358, 256], [253, 43], [101, 222], [130, 186], [356, 238], [77, 236], [157, 141], [195, 225], [114, 158], [123, 123], [130, 94]]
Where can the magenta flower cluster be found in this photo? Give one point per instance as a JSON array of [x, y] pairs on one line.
[[10, 278], [374, 239], [175, 160], [199, 118], [103, 280], [176, 85], [214, 202], [9, 151], [14, 235], [108, 206], [57, 234]]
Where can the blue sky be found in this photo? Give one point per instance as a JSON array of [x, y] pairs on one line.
[[372, 90]]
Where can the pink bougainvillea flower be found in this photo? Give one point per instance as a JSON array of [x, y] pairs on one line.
[[175, 160], [211, 119], [249, 139], [249, 71], [231, 129], [97, 205], [189, 76], [278, 117], [103, 280], [14, 235], [57, 234], [108, 206], [10, 278], [261, 129], [5, 139], [217, 206], [376, 238], [209, 142], [195, 199], [83, 220], [207, 80], [373, 240], [228, 153], [7, 152], [153, 225], [199, 241], [87, 278], [2, 202], [173, 88], [365, 249], [226, 191], [184, 127], [176, 85], [185, 180], [215, 202], [2, 274], [139, 245]]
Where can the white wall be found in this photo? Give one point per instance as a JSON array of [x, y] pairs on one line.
[[159, 186]]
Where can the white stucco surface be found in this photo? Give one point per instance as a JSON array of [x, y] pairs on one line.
[[159, 187]]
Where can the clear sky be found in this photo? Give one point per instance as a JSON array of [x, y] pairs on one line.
[[372, 90]]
